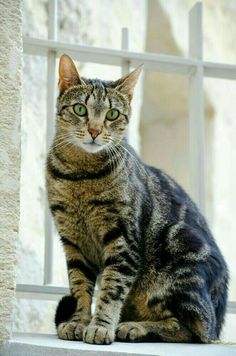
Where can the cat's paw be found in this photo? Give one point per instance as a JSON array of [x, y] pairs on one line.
[[66, 330], [130, 331], [71, 330], [79, 331], [170, 324], [96, 334]]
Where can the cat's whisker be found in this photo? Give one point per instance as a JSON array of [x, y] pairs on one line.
[[137, 163], [62, 143], [110, 158], [120, 156], [113, 160]]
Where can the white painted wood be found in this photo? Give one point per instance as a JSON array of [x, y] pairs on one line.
[[40, 292], [52, 19], [125, 67], [195, 31], [125, 64], [196, 109], [51, 103], [153, 61], [220, 70], [51, 292]]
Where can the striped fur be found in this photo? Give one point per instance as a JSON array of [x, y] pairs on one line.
[[162, 275]]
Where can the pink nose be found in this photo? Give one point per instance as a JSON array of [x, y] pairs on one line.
[[94, 133]]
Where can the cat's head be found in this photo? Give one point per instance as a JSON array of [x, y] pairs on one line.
[[92, 113]]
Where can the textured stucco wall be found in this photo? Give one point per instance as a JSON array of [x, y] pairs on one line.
[[10, 113]]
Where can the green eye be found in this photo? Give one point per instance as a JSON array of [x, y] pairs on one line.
[[80, 109], [112, 114]]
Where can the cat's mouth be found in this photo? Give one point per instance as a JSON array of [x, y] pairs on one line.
[[92, 146], [91, 143]]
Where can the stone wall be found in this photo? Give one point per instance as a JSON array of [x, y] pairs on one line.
[[10, 115]]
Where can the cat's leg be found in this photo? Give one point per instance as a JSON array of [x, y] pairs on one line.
[[119, 271], [196, 311], [185, 316], [82, 278], [167, 330], [192, 319]]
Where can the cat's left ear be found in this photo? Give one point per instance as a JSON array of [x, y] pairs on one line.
[[68, 74], [127, 83]]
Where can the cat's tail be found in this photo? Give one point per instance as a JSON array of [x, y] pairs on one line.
[[65, 309]]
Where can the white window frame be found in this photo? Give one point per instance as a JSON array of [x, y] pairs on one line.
[[193, 66]]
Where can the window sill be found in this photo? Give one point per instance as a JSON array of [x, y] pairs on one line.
[[23, 344]]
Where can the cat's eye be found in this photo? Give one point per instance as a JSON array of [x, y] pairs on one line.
[[112, 114], [80, 109]]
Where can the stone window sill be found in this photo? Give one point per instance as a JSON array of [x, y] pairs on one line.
[[23, 344]]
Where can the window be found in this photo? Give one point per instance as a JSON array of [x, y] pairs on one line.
[[40, 276]]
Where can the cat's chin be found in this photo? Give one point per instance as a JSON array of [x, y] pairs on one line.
[[92, 147]]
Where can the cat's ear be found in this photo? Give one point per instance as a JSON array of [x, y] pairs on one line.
[[127, 83], [68, 74]]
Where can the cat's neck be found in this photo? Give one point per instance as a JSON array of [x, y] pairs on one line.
[[74, 159]]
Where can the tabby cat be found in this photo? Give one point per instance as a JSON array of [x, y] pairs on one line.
[[162, 276]]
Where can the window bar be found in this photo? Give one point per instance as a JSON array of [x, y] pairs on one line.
[[196, 108], [125, 67], [153, 61], [51, 87], [38, 292], [192, 66], [125, 64]]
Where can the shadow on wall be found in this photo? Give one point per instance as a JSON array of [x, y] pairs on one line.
[[164, 116]]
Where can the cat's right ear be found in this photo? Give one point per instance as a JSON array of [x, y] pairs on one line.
[[68, 74]]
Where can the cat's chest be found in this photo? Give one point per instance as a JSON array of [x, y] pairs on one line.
[[83, 218], [76, 199]]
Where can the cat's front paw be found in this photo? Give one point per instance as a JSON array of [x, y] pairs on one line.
[[71, 330], [130, 331], [96, 334], [66, 330]]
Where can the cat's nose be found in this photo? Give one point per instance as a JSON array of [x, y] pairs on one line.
[[94, 133]]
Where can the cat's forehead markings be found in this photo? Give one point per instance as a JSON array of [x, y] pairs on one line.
[[98, 101]]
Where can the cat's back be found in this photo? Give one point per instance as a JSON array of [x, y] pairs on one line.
[[185, 234]]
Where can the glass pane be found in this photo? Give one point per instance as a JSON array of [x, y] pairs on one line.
[[218, 45], [33, 150], [34, 316], [164, 126], [221, 170], [84, 22], [228, 332], [35, 18]]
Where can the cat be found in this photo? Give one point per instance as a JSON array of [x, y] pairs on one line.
[[163, 278]]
